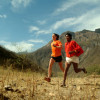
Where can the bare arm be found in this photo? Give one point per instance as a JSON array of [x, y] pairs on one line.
[[57, 46]]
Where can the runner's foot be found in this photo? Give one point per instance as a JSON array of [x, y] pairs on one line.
[[47, 79], [63, 85], [84, 70]]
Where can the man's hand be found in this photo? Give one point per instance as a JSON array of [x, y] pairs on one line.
[[70, 52], [54, 45]]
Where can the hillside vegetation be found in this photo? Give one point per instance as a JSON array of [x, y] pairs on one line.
[[9, 59]]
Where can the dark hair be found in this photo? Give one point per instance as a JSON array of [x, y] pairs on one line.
[[69, 34], [56, 36]]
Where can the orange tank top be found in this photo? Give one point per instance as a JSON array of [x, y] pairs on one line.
[[56, 51]]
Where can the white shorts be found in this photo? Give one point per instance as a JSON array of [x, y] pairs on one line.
[[74, 59]]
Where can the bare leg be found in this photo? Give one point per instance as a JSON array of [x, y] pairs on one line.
[[66, 71], [51, 62], [60, 65], [76, 69]]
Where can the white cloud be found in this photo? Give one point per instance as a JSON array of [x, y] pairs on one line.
[[36, 41], [89, 20], [64, 7], [41, 22], [18, 46], [71, 3], [37, 31], [3, 42], [62, 23], [33, 28], [3, 16], [20, 3], [44, 31], [59, 24]]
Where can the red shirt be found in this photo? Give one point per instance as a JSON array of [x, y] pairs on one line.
[[73, 46], [56, 51]]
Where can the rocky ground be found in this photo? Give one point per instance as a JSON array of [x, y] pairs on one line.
[[87, 88], [31, 86]]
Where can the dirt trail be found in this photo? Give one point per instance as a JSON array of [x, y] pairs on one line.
[[75, 89], [24, 86]]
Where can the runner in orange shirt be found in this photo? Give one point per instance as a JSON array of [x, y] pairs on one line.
[[56, 55]]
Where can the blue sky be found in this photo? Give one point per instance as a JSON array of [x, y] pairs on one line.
[[26, 25]]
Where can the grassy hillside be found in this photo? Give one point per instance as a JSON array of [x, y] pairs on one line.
[[16, 61]]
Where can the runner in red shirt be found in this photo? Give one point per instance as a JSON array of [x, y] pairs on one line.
[[73, 51], [56, 55]]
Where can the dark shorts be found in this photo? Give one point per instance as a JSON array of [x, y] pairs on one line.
[[57, 59]]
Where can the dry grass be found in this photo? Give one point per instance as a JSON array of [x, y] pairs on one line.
[[16, 85]]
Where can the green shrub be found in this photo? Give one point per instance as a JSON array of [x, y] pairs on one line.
[[93, 69]]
